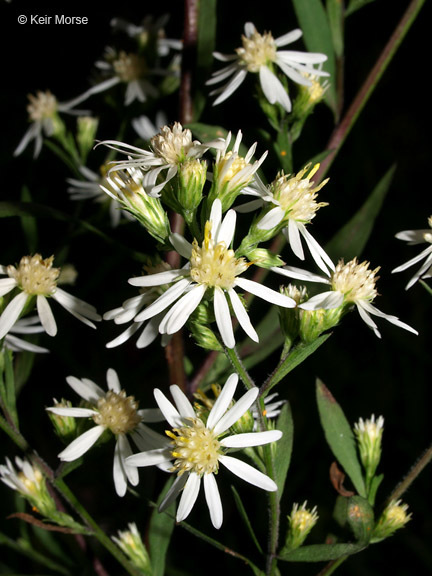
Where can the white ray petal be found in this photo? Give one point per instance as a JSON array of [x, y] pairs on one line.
[[271, 219], [248, 473], [170, 412], [182, 403], [242, 316], [165, 300], [299, 274], [149, 458], [183, 247], [6, 285], [113, 380], [81, 444], [266, 293], [173, 492], [223, 401], [123, 473], [183, 308], [12, 312], [86, 388], [189, 496], [213, 500], [46, 316], [236, 412], [294, 239], [227, 228], [326, 300], [156, 279], [251, 439], [73, 412], [223, 317], [289, 37], [273, 89]]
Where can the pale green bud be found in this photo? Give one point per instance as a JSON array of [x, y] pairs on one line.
[[264, 258], [64, 426], [86, 133], [315, 322], [301, 521], [148, 211], [130, 542], [191, 180], [289, 318], [369, 439], [394, 517], [244, 424]]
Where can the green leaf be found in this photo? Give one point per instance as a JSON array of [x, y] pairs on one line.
[[284, 447], [160, 532], [360, 516], [376, 481], [339, 436], [335, 14], [322, 552], [318, 38], [7, 386], [355, 5], [245, 518], [295, 357], [351, 239]]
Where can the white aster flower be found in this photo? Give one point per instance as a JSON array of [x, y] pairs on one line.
[[350, 284], [232, 172], [30, 325], [25, 479], [418, 237], [213, 271], [91, 187], [259, 54], [35, 278], [197, 448], [116, 412], [171, 147], [43, 112], [294, 205]]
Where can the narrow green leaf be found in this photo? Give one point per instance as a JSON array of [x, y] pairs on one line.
[[351, 239], [160, 532], [335, 14], [339, 436], [295, 357], [317, 36], [426, 287], [322, 552], [8, 387], [245, 518], [376, 481], [355, 5], [283, 447]]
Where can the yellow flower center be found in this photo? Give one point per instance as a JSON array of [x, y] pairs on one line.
[[296, 194], [43, 105], [172, 144], [195, 449], [117, 412], [302, 520], [236, 166], [32, 486], [257, 51], [129, 67], [35, 276], [215, 264], [355, 281]]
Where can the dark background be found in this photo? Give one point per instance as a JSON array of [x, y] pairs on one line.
[[389, 376]]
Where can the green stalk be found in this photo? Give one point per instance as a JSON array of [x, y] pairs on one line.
[[234, 358]]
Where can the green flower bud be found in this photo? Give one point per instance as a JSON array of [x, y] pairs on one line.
[[394, 517], [289, 318], [301, 521], [315, 322], [130, 542], [191, 180], [86, 133], [264, 258], [64, 426], [369, 438]]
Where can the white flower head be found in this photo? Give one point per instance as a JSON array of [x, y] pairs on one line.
[[212, 270], [417, 237], [43, 109], [352, 283], [36, 278], [171, 147], [259, 54], [294, 206], [114, 411], [196, 449], [233, 172], [91, 187]]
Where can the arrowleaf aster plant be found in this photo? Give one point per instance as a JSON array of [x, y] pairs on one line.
[[183, 208]]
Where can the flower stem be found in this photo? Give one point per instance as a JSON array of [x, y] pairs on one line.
[[412, 475], [234, 358], [343, 129]]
